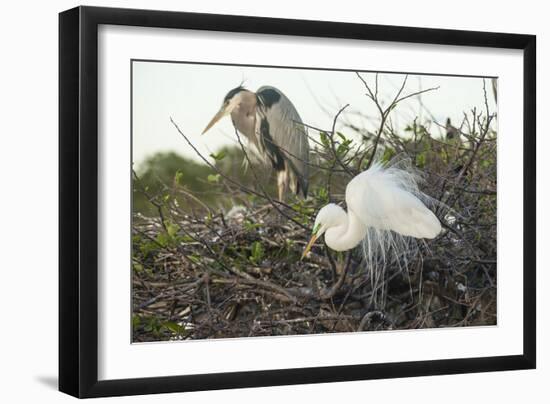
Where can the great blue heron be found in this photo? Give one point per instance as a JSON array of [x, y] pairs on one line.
[[383, 202], [274, 128]]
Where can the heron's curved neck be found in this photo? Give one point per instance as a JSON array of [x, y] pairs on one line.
[[243, 114], [347, 235]]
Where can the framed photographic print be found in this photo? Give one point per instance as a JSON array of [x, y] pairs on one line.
[[251, 201]]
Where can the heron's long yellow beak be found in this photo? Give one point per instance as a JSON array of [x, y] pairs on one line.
[[221, 113], [309, 245]]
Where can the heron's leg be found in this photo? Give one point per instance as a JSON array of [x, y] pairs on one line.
[[282, 184]]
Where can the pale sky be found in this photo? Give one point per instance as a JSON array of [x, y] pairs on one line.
[[192, 93]]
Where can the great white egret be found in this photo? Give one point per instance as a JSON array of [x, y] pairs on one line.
[[384, 207], [274, 129]]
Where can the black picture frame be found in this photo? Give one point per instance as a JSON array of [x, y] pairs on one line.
[[78, 201]]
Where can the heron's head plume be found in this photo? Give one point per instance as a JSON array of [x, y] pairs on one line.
[[232, 93], [230, 101], [328, 216]]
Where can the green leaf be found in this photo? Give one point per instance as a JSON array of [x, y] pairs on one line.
[[341, 136], [194, 258], [250, 226], [163, 239], [171, 228], [186, 239], [388, 154], [174, 327], [213, 178], [178, 176], [152, 325], [147, 247], [420, 160], [322, 195], [257, 252], [324, 139], [218, 156]]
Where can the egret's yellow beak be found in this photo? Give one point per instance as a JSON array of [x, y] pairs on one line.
[[309, 245], [221, 113]]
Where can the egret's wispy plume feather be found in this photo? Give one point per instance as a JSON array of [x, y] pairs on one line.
[[395, 236], [387, 215]]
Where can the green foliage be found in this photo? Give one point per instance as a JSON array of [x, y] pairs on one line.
[[213, 178], [171, 228], [196, 259], [178, 177], [163, 171], [389, 153], [163, 175], [157, 327], [421, 160], [344, 145], [256, 252], [174, 327], [323, 136], [144, 245], [136, 266], [219, 156], [251, 226], [321, 194], [304, 210]]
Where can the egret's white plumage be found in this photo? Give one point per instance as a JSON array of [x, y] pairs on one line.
[[388, 198], [386, 211]]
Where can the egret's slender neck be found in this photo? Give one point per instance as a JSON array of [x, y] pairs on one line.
[[347, 235]]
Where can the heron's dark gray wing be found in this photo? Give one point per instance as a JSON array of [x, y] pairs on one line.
[[285, 130]]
